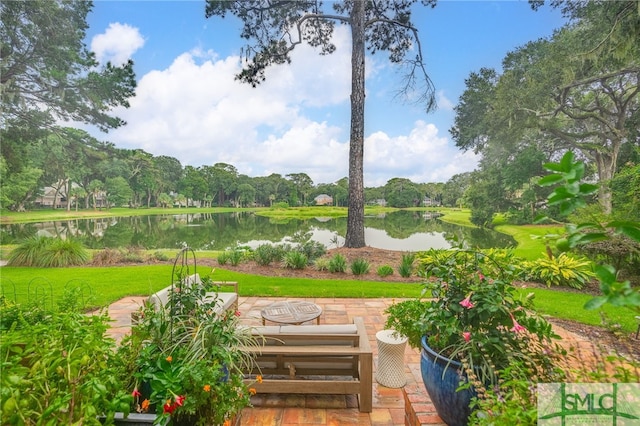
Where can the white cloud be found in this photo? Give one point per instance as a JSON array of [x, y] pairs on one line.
[[195, 111], [117, 44], [444, 103]]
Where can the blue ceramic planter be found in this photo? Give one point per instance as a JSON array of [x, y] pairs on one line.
[[441, 378]]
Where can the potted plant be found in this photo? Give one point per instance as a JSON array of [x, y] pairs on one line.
[[470, 325], [185, 359]]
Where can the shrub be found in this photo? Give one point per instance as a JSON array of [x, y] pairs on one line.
[[322, 264], [235, 256], [264, 254], [223, 258], [59, 369], [48, 253], [313, 249], [359, 267], [295, 260], [561, 270], [162, 257], [406, 266], [338, 263], [133, 255], [385, 271]]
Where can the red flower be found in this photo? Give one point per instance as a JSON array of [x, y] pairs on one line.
[[466, 303], [466, 335], [168, 407], [136, 393], [238, 313]]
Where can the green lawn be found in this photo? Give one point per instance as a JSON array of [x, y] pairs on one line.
[[112, 283]]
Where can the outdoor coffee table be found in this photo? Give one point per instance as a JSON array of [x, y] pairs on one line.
[[293, 312]]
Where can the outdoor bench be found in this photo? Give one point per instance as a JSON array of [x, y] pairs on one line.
[[226, 300], [314, 359]]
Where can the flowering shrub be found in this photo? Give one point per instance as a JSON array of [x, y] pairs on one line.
[[186, 360], [470, 312]]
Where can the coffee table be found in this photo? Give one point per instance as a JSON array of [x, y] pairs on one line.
[[293, 312]]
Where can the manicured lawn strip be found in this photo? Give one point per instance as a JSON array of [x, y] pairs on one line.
[[570, 306], [456, 216], [528, 247], [112, 283]]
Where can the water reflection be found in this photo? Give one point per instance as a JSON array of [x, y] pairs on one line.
[[401, 231]]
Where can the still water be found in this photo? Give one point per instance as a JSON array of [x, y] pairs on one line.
[[400, 231]]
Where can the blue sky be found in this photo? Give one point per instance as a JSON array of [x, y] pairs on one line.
[[188, 106]]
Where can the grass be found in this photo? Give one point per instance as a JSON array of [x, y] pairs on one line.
[[570, 306], [112, 283]]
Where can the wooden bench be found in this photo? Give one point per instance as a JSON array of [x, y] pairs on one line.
[[226, 299], [314, 359]]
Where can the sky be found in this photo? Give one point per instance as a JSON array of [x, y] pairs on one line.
[[189, 106]]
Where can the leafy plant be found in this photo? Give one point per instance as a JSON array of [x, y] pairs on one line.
[[223, 258], [321, 264], [360, 266], [559, 270], [58, 368], [236, 256], [185, 358], [385, 271], [47, 252], [406, 265], [472, 318], [312, 249], [264, 254], [295, 260], [338, 263]]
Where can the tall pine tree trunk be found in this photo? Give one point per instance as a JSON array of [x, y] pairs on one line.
[[355, 216]]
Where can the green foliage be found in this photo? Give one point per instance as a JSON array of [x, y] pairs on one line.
[[570, 194], [559, 270], [360, 266], [321, 264], [474, 318], [384, 271], [48, 253], [265, 254], [223, 258], [406, 265], [338, 263], [58, 368], [190, 356], [312, 249], [295, 260], [280, 205]]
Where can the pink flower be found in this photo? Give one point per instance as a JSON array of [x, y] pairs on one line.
[[466, 303], [481, 276], [517, 328], [238, 313], [467, 336], [180, 400]]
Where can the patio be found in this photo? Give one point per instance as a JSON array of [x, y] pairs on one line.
[[408, 406], [288, 410]]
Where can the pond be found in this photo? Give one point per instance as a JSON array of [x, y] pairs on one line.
[[399, 231]]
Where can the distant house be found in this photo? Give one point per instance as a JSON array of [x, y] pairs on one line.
[[47, 197], [323, 200], [430, 202]]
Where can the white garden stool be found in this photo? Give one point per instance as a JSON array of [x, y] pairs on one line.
[[390, 371]]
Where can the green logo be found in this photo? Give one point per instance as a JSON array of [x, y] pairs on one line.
[[567, 404]]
